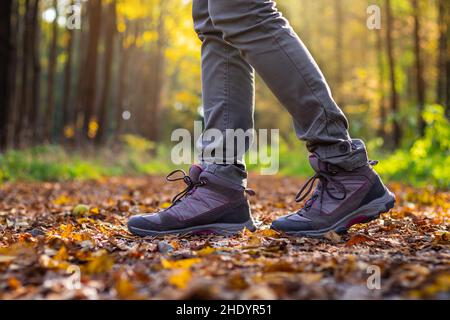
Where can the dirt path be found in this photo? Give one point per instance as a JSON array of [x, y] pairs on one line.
[[50, 250]]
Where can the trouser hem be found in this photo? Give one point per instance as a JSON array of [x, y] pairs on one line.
[[348, 155]]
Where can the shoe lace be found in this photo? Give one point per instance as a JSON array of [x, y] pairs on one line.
[[324, 186], [325, 179], [190, 184]]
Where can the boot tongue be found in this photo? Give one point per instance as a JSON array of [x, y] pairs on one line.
[[317, 165], [195, 171]]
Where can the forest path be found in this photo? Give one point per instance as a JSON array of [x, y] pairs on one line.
[[48, 249]]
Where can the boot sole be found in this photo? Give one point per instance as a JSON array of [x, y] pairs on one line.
[[223, 229], [365, 214]]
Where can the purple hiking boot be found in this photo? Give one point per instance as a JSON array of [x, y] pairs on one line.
[[209, 204], [341, 200]]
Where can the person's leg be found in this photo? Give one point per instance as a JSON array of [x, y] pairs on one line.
[[349, 190], [214, 199], [270, 45], [228, 95]]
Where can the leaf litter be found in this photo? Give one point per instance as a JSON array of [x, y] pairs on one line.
[[69, 241]]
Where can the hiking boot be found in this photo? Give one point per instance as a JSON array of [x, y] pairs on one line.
[[209, 204], [341, 200]]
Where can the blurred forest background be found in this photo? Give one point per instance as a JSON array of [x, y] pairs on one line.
[[104, 98]]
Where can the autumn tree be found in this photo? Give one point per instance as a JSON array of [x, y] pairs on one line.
[[24, 94], [157, 63], [420, 82], [50, 110], [67, 114], [394, 103], [382, 115], [88, 76], [107, 72], [5, 64], [443, 65], [125, 49], [35, 104]]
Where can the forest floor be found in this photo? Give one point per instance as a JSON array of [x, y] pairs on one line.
[[52, 247]]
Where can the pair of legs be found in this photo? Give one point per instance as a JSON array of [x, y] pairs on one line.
[[238, 38]]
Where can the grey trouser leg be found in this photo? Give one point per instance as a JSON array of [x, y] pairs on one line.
[[268, 43], [228, 93]]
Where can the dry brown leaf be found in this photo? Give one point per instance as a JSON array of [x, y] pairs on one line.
[[333, 237], [358, 239]]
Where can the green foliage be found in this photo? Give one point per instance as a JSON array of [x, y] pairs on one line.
[[428, 160], [294, 159], [141, 156], [47, 163], [137, 144], [135, 156]]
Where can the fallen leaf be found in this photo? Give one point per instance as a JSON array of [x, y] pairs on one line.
[[94, 211], [62, 200], [333, 237], [206, 251], [254, 241], [166, 205], [179, 264], [181, 278], [279, 266], [442, 237], [125, 289], [62, 254], [270, 233], [237, 282], [358, 239], [100, 262], [14, 283]]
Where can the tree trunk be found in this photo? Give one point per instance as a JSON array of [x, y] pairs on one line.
[[420, 82], [443, 66], [109, 51], [447, 65], [15, 71], [90, 79], [157, 79], [66, 114], [381, 84], [23, 101], [52, 61], [33, 115], [79, 96], [6, 51], [394, 105], [122, 89]]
